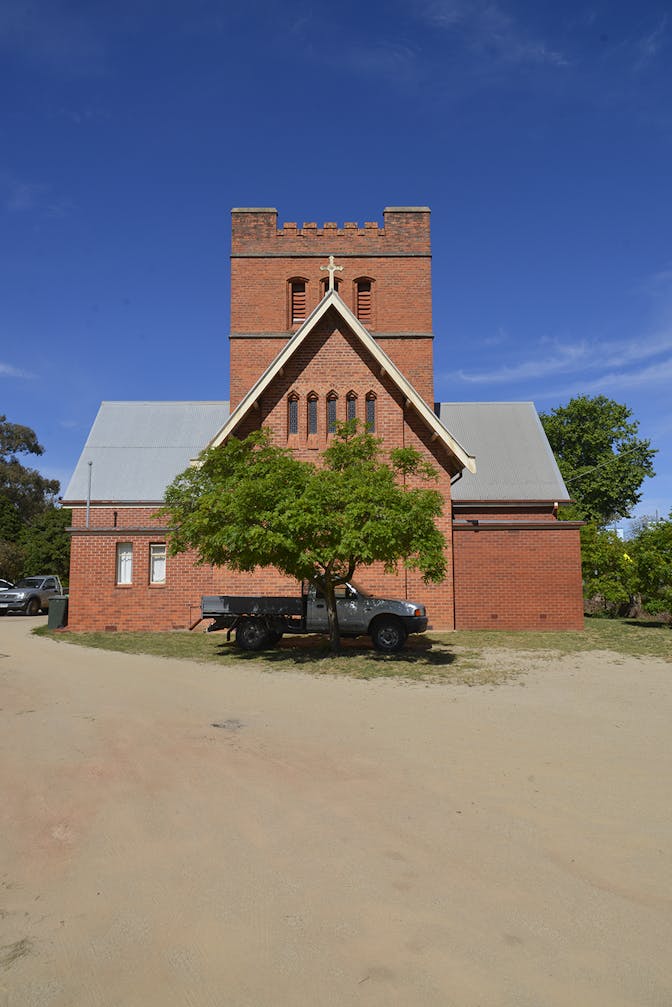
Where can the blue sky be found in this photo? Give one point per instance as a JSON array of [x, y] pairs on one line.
[[539, 134]]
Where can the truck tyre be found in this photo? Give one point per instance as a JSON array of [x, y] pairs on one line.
[[33, 607], [388, 634], [251, 634]]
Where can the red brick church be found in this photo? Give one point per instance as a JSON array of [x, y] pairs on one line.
[[329, 323]]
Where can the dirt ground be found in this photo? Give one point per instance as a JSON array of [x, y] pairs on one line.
[[179, 834]]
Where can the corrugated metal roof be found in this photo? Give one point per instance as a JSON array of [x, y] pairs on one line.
[[513, 457], [137, 448]]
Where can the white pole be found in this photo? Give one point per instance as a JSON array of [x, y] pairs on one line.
[[88, 497]]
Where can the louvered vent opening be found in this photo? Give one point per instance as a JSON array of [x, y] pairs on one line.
[[364, 301], [298, 302]]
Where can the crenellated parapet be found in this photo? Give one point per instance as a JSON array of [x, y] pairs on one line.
[[405, 230]]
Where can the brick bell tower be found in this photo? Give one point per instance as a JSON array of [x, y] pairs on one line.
[[279, 275]]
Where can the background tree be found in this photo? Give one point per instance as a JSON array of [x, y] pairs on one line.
[[602, 460], [28, 507], [45, 544], [608, 569], [250, 503], [651, 551]]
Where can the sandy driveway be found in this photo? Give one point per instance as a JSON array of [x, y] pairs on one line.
[[331, 842]]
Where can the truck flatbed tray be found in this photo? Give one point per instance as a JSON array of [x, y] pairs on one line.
[[227, 604]]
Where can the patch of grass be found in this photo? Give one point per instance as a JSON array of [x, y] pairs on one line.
[[425, 658], [462, 658], [627, 637]]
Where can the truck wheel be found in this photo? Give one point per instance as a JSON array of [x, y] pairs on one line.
[[33, 606], [388, 635], [251, 634]]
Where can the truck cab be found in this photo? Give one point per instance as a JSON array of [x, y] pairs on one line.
[[30, 595]]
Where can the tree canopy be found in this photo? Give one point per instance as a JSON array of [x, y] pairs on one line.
[[600, 455], [251, 503], [28, 504]]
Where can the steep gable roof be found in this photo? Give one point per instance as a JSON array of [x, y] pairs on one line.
[[332, 300]]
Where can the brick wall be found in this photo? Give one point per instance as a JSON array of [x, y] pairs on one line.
[[518, 578]]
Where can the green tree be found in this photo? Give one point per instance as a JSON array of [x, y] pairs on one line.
[[23, 491], [609, 574], [602, 460], [45, 544], [250, 503], [27, 499], [11, 560], [652, 555]]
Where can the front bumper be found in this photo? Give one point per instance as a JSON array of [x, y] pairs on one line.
[[415, 623]]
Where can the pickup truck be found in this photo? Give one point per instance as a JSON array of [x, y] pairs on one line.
[[30, 595], [260, 622]]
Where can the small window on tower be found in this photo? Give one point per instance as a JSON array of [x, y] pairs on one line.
[[293, 415], [364, 301], [297, 302], [351, 406], [371, 412], [312, 413], [332, 399]]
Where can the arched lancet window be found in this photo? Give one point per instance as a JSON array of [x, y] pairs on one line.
[[292, 414], [371, 412], [364, 300], [332, 399], [312, 413], [298, 300], [351, 406]]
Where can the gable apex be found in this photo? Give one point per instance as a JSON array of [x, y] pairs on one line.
[[332, 300]]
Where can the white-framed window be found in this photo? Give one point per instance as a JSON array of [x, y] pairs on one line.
[[124, 562], [157, 563]]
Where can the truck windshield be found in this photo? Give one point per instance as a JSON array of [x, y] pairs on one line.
[[29, 582]]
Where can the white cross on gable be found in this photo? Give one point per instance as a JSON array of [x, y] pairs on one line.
[[332, 268]]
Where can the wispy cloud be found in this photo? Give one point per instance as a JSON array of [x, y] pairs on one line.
[[488, 29], [651, 44], [584, 358], [7, 371], [26, 196]]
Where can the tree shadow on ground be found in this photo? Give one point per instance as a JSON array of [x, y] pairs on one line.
[[649, 624], [312, 649]]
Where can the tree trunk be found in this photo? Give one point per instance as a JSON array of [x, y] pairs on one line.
[[332, 616]]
